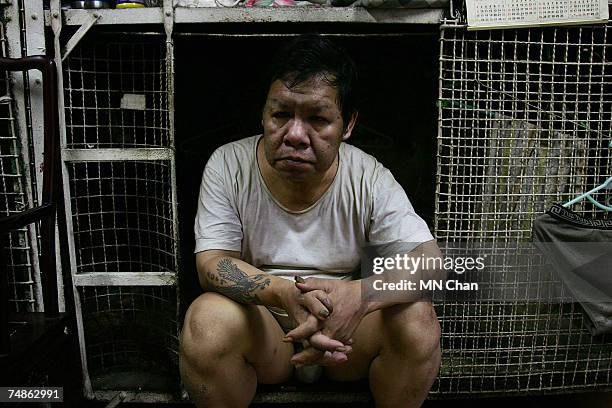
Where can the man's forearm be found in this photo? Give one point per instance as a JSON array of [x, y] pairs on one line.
[[241, 281], [376, 300]]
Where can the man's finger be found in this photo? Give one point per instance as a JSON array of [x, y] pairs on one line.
[[301, 315], [311, 356], [322, 296], [304, 287], [310, 284], [304, 330], [333, 359], [322, 342], [308, 356], [327, 359], [316, 306], [345, 349], [339, 357], [331, 333]]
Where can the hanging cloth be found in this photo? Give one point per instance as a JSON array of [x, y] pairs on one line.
[[580, 250]]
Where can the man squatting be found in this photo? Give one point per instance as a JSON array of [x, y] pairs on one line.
[[298, 202]]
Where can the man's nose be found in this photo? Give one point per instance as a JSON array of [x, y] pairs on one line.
[[297, 134]]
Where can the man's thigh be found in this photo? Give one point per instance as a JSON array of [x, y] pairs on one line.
[[217, 324], [269, 355], [378, 331], [367, 342]]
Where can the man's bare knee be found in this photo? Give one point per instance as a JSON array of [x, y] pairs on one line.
[[413, 329], [220, 332], [211, 357], [211, 321]]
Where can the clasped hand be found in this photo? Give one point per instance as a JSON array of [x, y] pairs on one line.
[[327, 312]]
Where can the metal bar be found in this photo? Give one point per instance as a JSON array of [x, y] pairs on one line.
[[147, 15], [304, 15], [102, 155], [169, 29], [144, 278], [26, 217], [439, 135], [48, 266], [534, 25], [79, 34], [36, 44], [168, 20], [254, 15], [606, 184], [34, 38], [56, 25], [169, 62], [287, 35], [47, 67], [5, 333], [12, 48]]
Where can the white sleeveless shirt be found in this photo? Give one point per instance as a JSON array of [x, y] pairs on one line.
[[364, 205]]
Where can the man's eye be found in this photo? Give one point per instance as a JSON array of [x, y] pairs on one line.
[[319, 119], [280, 115]]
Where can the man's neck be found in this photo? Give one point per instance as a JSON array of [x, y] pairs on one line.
[[293, 194]]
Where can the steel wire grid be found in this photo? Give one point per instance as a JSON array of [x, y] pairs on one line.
[[13, 199], [132, 331], [525, 120], [97, 77], [122, 216], [119, 173]]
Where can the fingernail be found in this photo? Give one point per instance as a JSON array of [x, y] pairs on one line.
[[287, 339], [299, 279], [324, 313]]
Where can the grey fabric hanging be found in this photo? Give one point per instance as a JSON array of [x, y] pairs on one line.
[[580, 250]]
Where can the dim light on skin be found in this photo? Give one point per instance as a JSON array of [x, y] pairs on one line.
[[303, 129]]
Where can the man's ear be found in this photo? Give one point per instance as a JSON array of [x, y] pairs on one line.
[[350, 126]]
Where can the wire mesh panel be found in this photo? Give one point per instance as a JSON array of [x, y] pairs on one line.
[[525, 122], [13, 199], [122, 216], [119, 170], [130, 333], [116, 94]]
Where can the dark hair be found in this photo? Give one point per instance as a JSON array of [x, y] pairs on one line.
[[311, 55]]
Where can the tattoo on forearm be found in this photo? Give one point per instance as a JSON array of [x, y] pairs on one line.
[[236, 284]]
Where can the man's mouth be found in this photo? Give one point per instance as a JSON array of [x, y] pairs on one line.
[[295, 159]]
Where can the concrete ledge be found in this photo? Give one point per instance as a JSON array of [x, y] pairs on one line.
[[328, 392]]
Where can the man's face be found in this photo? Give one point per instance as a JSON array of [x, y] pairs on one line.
[[303, 128]]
